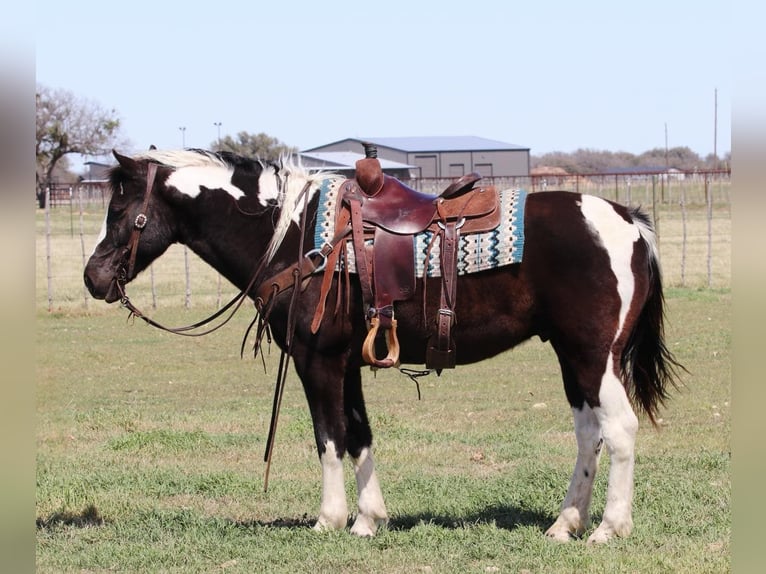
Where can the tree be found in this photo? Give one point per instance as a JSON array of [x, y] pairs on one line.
[[260, 145], [602, 161], [67, 124], [680, 157]]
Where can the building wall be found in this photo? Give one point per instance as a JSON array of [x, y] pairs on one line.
[[508, 163], [448, 164]]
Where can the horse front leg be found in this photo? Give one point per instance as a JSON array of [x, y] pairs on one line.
[[372, 509], [333, 509], [322, 377]]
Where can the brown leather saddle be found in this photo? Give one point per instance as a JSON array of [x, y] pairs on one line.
[[382, 209]]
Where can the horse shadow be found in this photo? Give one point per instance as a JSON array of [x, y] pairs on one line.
[[503, 516], [88, 517]]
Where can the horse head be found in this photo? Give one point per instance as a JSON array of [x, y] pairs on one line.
[[137, 228], [229, 209]]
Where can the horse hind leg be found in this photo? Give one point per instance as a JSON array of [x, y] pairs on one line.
[[612, 423], [574, 519], [587, 347], [619, 426]]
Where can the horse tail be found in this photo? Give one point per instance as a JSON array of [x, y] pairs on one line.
[[647, 365]]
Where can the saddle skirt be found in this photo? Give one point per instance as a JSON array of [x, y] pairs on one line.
[[504, 245]]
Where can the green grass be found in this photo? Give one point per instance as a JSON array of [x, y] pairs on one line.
[[150, 454]]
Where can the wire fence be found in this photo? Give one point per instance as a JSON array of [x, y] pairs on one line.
[[692, 214]]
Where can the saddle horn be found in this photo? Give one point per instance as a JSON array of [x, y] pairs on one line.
[[369, 174]]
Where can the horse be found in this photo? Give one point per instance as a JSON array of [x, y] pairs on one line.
[[589, 283]]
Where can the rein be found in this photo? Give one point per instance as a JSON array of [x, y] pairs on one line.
[[293, 277]]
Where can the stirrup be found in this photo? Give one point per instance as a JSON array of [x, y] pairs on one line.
[[392, 342]]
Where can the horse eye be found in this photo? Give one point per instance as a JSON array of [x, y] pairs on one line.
[[115, 213], [117, 233]]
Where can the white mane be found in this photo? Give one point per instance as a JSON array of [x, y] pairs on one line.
[[280, 182], [183, 158], [289, 196]]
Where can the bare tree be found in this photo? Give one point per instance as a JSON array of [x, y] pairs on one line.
[[260, 145], [67, 124]]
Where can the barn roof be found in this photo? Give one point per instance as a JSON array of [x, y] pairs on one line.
[[348, 159], [435, 143]]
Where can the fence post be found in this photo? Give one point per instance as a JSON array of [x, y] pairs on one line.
[[187, 300], [709, 203], [71, 212], [655, 213], [154, 290], [683, 235], [48, 246], [82, 248]]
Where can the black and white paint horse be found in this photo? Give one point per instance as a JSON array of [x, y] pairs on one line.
[[589, 283]]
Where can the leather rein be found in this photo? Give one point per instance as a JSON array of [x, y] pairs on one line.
[[293, 277]]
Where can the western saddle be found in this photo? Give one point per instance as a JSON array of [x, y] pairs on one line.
[[379, 207]]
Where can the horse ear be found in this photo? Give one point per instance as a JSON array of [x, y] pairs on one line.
[[125, 162]]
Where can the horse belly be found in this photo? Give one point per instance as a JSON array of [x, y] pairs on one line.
[[494, 312]]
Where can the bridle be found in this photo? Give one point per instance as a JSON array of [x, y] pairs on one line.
[[266, 289], [125, 271]]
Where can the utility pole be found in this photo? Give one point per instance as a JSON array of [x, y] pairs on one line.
[[715, 129], [218, 125]]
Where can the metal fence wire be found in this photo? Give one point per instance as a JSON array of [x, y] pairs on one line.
[[691, 213]]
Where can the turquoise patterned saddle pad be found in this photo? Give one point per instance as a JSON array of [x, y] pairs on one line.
[[504, 245]]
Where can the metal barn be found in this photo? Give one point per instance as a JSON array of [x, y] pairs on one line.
[[431, 157]]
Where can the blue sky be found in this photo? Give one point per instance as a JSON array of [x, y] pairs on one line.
[[554, 76]]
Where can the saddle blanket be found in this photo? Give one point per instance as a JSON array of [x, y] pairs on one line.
[[503, 245]]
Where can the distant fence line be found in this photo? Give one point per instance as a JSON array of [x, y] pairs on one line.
[[60, 194], [691, 211], [622, 187]]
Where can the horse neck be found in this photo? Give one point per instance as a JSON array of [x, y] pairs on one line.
[[235, 238], [230, 242]]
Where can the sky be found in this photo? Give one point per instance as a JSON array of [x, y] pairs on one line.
[[548, 75]]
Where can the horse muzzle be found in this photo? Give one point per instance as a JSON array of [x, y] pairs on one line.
[[101, 285]]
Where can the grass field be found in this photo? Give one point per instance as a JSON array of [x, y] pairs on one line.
[[150, 446]]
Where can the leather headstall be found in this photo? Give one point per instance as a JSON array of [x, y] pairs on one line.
[[141, 219]]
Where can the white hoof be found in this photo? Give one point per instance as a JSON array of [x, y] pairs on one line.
[[558, 535], [337, 523], [567, 526], [606, 532], [366, 526]]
